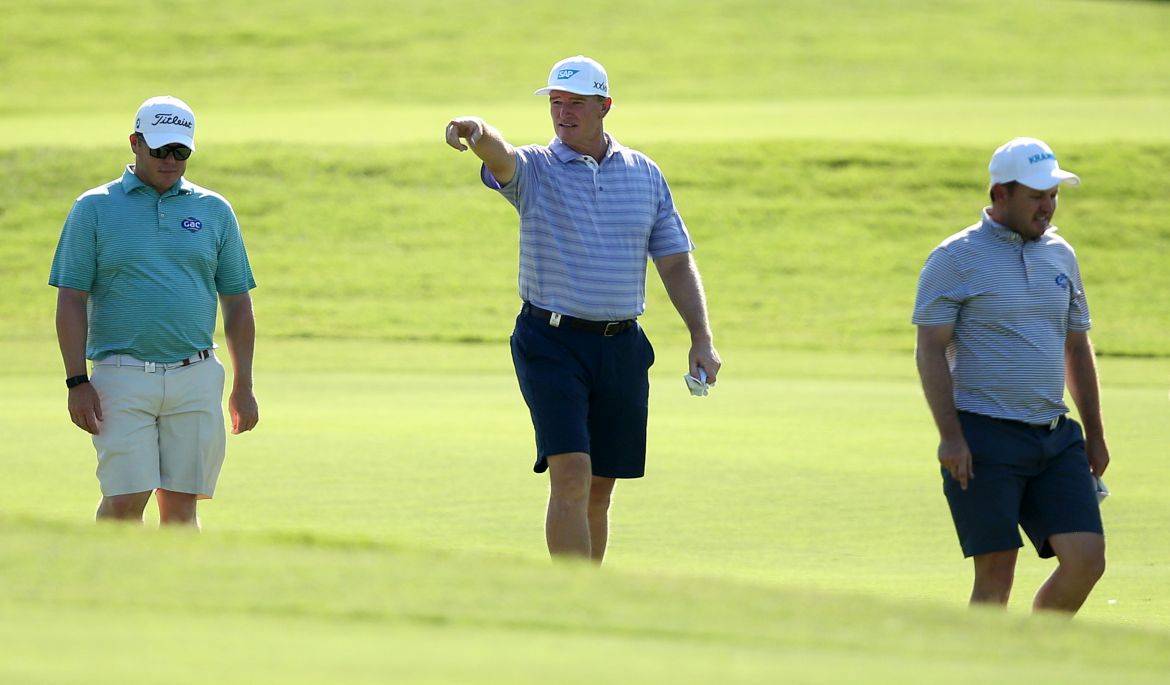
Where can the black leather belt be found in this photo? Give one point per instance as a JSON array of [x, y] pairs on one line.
[[606, 328], [1050, 426]]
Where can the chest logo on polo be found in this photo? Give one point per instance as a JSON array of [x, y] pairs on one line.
[[1062, 281], [192, 224]]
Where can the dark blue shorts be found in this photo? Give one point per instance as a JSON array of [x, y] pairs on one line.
[[1025, 476], [586, 393]]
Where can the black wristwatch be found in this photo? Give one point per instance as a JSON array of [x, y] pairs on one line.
[[74, 381]]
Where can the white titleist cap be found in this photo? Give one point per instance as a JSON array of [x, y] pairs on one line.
[[579, 75], [1031, 162], [164, 120]]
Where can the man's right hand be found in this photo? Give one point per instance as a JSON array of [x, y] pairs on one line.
[[469, 128], [955, 457], [85, 408]]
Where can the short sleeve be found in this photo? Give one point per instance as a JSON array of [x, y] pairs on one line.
[[75, 261], [233, 274], [941, 291], [669, 234], [1078, 308]]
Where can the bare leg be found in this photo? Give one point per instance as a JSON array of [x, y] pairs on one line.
[[1082, 563], [994, 574], [127, 508], [599, 497], [566, 526], [177, 508]]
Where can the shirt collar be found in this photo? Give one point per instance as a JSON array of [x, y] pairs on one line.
[[130, 182], [1004, 233], [567, 154]]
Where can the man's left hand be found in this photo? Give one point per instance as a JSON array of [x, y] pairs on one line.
[[704, 356], [244, 411], [1098, 453]]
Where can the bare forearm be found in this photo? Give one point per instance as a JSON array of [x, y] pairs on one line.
[[240, 330], [72, 330], [683, 284], [1081, 371], [938, 387], [487, 144]]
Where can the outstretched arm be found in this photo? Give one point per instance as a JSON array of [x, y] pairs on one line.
[[680, 275], [486, 142]]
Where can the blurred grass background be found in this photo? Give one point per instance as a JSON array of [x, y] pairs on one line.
[[382, 522]]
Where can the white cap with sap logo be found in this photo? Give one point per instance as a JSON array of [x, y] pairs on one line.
[[578, 74], [163, 120], [1031, 162]]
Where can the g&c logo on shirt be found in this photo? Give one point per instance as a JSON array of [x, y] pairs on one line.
[[1062, 281], [192, 224]]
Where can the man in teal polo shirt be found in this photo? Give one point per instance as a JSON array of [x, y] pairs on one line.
[[139, 267]]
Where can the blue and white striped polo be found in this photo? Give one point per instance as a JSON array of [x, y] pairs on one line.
[[586, 229], [1012, 302], [152, 265]]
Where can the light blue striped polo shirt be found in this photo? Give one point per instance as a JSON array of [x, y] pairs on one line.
[[1012, 302], [586, 229], [152, 265]]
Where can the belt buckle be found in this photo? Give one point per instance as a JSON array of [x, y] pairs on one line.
[[148, 367], [1053, 423], [615, 325]]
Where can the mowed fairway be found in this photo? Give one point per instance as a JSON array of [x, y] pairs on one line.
[[382, 524]]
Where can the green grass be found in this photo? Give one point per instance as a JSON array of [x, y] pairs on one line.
[[289, 55], [801, 244], [368, 612], [382, 523], [791, 524]]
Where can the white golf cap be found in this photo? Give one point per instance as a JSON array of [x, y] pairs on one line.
[[164, 120], [1031, 162], [579, 75]]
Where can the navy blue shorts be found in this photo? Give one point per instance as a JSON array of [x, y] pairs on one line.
[[586, 392], [1025, 476]]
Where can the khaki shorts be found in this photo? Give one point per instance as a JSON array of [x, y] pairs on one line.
[[160, 429]]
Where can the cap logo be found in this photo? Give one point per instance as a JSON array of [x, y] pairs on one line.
[[192, 224], [1041, 157], [566, 74], [602, 86], [163, 118]]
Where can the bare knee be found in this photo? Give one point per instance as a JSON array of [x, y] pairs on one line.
[[994, 575], [600, 494], [127, 507], [570, 477], [176, 508], [1081, 555]]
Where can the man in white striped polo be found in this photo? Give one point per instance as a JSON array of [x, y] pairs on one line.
[[139, 266], [591, 212], [1002, 324]]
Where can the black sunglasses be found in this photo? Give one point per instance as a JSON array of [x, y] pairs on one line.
[[181, 152]]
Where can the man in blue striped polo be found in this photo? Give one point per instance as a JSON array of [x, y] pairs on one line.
[[1002, 324], [138, 269], [591, 212]]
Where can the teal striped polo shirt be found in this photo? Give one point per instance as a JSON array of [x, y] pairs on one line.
[[152, 265], [1012, 303]]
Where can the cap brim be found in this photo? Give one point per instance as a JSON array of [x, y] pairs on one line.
[[567, 89], [157, 140], [1051, 179]]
